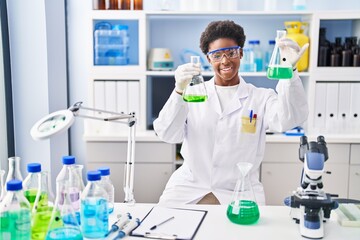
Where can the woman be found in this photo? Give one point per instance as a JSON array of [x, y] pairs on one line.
[[230, 126]]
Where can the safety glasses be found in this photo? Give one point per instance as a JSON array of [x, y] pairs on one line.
[[218, 54]]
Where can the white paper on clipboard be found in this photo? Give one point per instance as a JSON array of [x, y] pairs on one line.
[[184, 225]]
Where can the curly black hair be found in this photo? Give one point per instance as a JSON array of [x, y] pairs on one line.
[[221, 29]]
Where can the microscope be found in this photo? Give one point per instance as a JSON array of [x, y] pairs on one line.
[[310, 205]]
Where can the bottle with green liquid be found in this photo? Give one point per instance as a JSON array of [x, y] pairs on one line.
[[195, 91], [36, 191], [279, 68], [15, 220], [243, 208]]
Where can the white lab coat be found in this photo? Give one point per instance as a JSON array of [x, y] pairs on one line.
[[213, 141]]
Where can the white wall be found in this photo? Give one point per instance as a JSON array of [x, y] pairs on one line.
[[38, 67]]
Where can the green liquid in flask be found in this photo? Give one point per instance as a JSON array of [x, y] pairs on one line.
[[31, 196], [41, 219], [15, 225], [279, 72], [195, 98], [248, 212]]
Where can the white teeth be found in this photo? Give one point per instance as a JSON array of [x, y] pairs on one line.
[[226, 69]]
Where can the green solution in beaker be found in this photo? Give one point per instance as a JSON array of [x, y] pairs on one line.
[[31, 196], [195, 98], [68, 233], [248, 212], [279, 72], [15, 225], [41, 219]]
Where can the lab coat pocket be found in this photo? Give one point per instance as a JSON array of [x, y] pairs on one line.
[[247, 125]]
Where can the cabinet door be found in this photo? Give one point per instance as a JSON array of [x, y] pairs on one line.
[[280, 180], [149, 180], [355, 154], [354, 182]]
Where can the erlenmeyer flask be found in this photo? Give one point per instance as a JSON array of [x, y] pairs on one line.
[[243, 208], [195, 91], [279, 69], [2, 190], [63, 222], [42, 210], [14, 169]]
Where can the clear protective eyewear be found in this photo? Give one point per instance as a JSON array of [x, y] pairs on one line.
[[218, 54]]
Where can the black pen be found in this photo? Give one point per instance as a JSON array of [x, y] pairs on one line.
[[155, 226]]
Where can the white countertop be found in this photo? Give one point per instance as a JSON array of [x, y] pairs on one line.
[[150, 136], [274, 223]]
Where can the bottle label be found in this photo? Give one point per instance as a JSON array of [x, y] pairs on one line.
[[74, 197]]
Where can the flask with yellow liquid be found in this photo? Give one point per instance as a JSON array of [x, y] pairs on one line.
[[295, 31]]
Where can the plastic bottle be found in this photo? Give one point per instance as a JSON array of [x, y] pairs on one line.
[[14, 169], [94, 208], [247, 63], [295, 32], [15, 216], [72, 180], [258, 59], [108, 186], [268, 52], [299, 5]]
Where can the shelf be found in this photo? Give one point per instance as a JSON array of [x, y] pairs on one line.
[[336, 74], [210, 74]]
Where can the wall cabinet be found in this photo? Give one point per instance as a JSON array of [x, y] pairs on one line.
[[133, 87]]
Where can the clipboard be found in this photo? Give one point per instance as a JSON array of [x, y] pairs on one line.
[[183, 226]]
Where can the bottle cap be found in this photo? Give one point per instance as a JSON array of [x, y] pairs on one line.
[[14, 185], [254, 42], [120, 27], [94, 175], [68, 160], [271, 41], [105, 171], [34, 167]]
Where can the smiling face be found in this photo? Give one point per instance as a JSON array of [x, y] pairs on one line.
[[226, 70]]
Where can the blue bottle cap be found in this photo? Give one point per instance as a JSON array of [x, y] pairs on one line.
[[105, 171], [14, 185], [254, 41], [34, 167], [93, 175], [68, 160], [271, 41], [120, 27]]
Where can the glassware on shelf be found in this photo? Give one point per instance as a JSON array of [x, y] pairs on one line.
[[14, 169], [279, 69], [195, 91], [243, 208]]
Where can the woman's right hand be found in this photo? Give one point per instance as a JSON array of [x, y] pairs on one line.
[[183, 75]]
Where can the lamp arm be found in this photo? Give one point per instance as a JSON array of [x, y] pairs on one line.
[[118, 118]]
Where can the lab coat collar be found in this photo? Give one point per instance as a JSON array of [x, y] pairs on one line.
[[235, 104]]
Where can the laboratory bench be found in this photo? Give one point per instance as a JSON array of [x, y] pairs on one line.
[[274, 223]]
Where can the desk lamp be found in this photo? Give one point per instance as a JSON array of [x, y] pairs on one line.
[[62, 120]]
